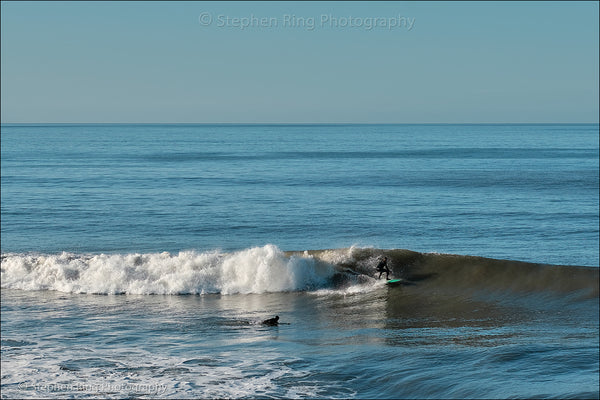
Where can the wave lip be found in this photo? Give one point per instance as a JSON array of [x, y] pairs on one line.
[[254, 270]]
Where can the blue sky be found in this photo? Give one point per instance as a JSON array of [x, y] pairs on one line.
[[316, 62]]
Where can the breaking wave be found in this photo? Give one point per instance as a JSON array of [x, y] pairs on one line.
[[269, 269], [255, 270]]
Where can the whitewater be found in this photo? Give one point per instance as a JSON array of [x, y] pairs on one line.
[[255, 270]]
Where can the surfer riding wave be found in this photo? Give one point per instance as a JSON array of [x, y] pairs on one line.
[[383, 267]]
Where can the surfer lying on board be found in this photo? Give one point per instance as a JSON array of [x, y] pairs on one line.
[[271, 321], [382, 267]]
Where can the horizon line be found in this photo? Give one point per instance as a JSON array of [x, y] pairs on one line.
[[299, 123]]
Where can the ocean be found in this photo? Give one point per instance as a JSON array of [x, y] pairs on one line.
[[139, 260]]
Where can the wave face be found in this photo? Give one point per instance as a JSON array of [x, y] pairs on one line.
[[268, 269], [433, 271]]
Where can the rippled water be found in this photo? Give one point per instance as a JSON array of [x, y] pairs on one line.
[[378, 342], [520, 192]]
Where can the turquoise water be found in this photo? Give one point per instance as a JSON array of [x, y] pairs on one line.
[[140, 260]]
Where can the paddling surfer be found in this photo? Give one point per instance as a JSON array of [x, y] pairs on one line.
[[383, 267], [271, 321]]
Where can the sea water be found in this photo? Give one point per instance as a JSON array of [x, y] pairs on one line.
[[139, 260]]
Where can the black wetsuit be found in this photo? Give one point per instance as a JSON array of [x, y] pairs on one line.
[[271, 321], [382, 267]]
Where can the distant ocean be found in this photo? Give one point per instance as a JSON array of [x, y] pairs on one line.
[[138, 260]]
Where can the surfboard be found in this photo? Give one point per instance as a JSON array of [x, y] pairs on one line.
[[395, 281]]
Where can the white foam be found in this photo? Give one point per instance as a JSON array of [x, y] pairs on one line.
[[254, 270], [337, 256], [364, 285]]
